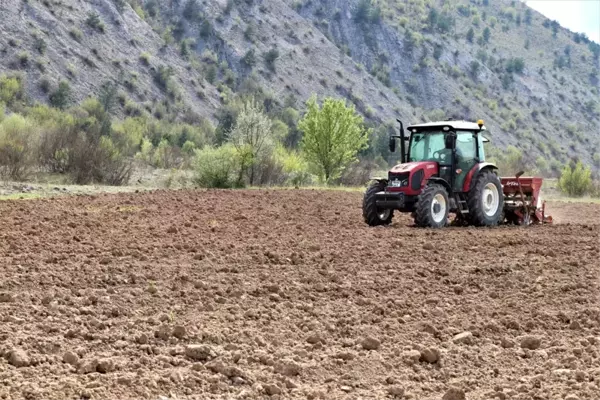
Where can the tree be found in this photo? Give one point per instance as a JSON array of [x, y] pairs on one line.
[[474, 68], [555, 26], [252, 137], [432, 18], [108, 96], [470, 35], [333, 135], [528, 16], [487, 33]]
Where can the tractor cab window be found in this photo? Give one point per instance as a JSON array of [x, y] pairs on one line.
[[465, 147], [429, 146]]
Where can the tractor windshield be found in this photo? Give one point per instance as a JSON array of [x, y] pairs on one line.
[[428, 146]]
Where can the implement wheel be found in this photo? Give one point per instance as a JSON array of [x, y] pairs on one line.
[[373, 215], [432, 207], [486, 200]]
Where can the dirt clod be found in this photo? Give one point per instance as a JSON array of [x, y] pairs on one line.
[[105, 365], [18, 358], [71, 358], [370, 343], [454, 394], [199, 352], [272, 389], [396, 391], [411, 357], [179, 331], [288, 368], [531, 342], [463, 338], [430, 356], [6, 297]]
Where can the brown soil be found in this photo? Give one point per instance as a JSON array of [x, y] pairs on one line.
[[288, 294]]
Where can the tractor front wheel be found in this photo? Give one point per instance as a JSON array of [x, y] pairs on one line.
[[373, 215], [486, 200], [432, 207]]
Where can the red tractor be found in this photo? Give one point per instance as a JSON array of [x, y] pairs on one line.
[[443, 171]]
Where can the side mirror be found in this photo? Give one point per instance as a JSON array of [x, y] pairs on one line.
[[450, 141], [392, 144]]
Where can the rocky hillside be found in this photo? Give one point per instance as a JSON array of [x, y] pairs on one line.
[[535, 83]]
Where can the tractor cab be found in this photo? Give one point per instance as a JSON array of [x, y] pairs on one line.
[[442, 169], [455, 146]]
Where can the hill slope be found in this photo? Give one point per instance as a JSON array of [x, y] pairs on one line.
[[534, 83]]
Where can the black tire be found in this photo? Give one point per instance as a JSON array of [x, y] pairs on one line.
[[425, 215], [373, 215], [481, 211]]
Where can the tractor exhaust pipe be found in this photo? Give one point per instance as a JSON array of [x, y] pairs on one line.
[[402, 143]]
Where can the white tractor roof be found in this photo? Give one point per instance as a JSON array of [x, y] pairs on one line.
[[457, 125]]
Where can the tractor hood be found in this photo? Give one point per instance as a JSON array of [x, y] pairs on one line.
[[413, 166]]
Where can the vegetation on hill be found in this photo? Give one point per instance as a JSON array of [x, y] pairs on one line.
[[174, 78]]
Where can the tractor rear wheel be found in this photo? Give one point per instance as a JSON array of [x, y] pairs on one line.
[[486, 200], [432, 207], [373, 215]]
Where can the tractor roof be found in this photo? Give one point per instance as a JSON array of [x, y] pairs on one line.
[[456, 125]]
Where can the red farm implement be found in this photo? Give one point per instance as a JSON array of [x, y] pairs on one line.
[[522, 201]]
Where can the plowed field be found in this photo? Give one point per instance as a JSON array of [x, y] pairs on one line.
[[288, 294]]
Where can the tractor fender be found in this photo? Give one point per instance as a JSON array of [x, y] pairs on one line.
[[440, 181], [475, 171]]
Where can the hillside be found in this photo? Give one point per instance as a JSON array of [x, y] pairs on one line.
[[535, 83]]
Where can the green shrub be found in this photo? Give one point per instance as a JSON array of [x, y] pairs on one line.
[[145, 58], [18, 147], [93, 21], [366, 12], [249, 58], [294, 167], [515, 65], [76, 34], [270, 57], [61, 97], [11, 89], [576, 180], [217, 167]]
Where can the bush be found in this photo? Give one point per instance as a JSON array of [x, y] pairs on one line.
[[57, 133], [366, 12], [515, 65], [76, 34], [11, 89], [270, 57], [294, 167], [249, 58], [145, 58], [61, 97], [217, 167], [93, 21], [575, 180], [18, 146]]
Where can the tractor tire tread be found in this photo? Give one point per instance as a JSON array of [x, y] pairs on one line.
[[370, 213], [476, 215], [423, 217]]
